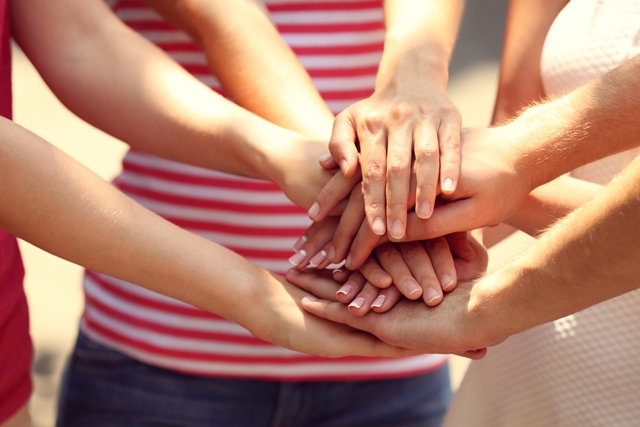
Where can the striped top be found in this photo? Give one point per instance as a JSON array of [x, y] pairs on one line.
[[340, 44]]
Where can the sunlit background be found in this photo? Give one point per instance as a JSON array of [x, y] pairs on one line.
[[54, 286]]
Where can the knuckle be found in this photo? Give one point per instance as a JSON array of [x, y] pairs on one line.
[[373, 121], [374, 172], [397, 205], [426, 151], [451, 144], [397, 166], [402, 111]]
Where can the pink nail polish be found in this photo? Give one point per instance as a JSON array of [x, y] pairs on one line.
[[357, 303], [298, 244], [345, 290], [298, 257], [378, 301], [314, 210], [318, 259]]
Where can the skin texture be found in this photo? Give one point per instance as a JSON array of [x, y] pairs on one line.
[[408, 113], [586, 258], [53, 202]]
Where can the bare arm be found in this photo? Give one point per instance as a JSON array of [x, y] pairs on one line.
[[588, 257], [253, 63], [122, 84], [57, 204], [504, 164], [520, 83]]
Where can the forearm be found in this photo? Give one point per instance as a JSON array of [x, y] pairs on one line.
[[122, 84], [589, 123], [255, 66], [520, 83], [588, 257], [53, 202], [420, 39], [550, 202]]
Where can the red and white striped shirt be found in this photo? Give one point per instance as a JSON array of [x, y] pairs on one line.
[[340, 44]]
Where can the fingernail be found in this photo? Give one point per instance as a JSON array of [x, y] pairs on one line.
[[411, 288], [344, 166], [446, 282], [332, 253], [378, 301], [298, 257], [470, 253], [298, 244], [294, 271], [336, 271], [447, 185], [424, 210], [314, 210], [347, 263], [309, 299], [397, 229], [318, 259], [345, 290], [326, 158], [357, 303], [432, 295], [383, 279], [378, 227]]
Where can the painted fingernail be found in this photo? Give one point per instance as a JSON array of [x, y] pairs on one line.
[[314, 210], [357, 303], [325, 158], [424, 210], [318, 259], [298, 244], [294, 271], [347, 263], [411, 288], [397, 229], [336, 271], [378, 227], [446, 282], [298, 257], [447, 185], [378, 301], [345, 290], [432, 295], [309, 299]]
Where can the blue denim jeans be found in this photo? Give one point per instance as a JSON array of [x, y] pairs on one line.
[[105, 388]]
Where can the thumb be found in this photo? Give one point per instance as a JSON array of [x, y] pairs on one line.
[[446, 219], [342, 144]]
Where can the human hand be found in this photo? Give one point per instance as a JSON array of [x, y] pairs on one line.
[[448, 328], [389, 127], [490, 190], [424, 269], [297, 172], [277, 316]]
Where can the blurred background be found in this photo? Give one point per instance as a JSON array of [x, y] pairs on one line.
[[53, 285]]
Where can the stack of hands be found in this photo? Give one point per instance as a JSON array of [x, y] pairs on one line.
[[392, 233]]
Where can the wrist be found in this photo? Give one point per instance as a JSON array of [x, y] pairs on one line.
[[405, 69]]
